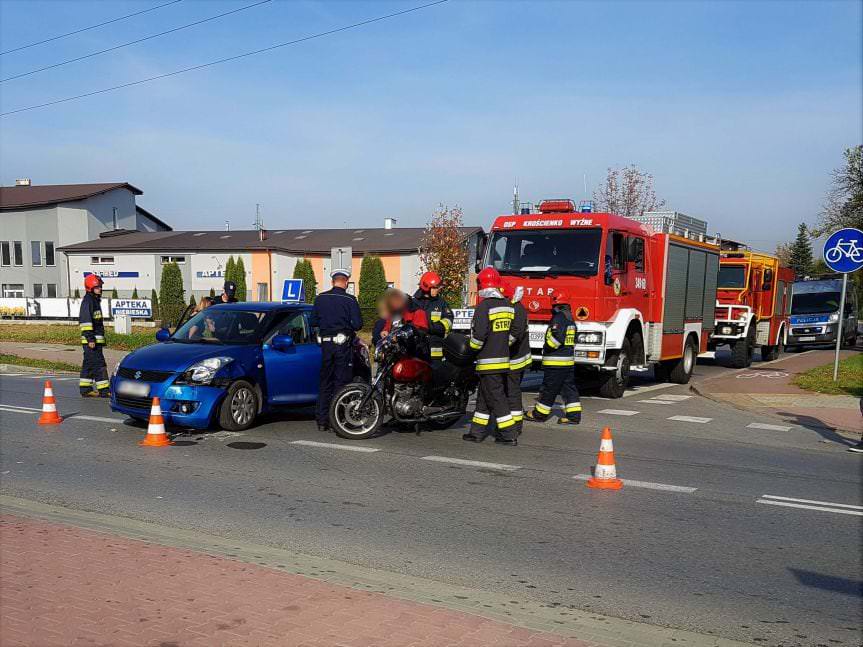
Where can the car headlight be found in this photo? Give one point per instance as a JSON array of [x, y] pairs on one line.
[[589, 338], [834, 317], [204, 371]]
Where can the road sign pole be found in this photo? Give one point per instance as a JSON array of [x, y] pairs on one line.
[[840, 327]]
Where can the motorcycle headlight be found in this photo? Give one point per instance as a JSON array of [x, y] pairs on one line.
[[204, 371], [589, 338], [834, 317]]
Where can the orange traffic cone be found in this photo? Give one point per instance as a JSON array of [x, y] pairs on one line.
[[49, 407], [605, 473], [156, 436]]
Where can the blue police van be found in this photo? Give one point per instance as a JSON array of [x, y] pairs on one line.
[[224, 366], [815, 318]]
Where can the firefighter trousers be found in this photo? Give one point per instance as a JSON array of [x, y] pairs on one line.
[[513, 396], [558, 381], [492, 408], [94, 371]]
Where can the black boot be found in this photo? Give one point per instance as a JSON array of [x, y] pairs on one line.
[[507, 441], [472, 439]]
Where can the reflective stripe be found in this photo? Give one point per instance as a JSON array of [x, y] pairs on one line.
[[543, 409], [501, 315], [84, 340], [103, 384], [551, 361], [85, 326], [479, 420], [493, 367], [97, 314], [85, 382], [550, 339], [493, 360], [518, 416], [504, 422], [501, 309], [475, 343], [437, 352], [518, 363], [484, 416], [100, 339], [570, 408], [447, 324]]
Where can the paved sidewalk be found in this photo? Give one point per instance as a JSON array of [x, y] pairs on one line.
[[768, 389], [58, 353]]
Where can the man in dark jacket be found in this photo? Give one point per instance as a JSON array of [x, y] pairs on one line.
[[489, 335], [337, 316], [437, 310], [94, 371], [558, 364]]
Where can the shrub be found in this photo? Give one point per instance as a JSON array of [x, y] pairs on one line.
[[303, 270], [135, 292], [171, 295], [373, 281], [240, 279]]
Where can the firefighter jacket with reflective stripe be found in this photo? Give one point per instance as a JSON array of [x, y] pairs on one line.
[[559, 348], [90, 320], [489, 334], [439, 320], [519, 349]]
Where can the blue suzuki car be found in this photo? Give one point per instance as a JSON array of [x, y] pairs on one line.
[[224, 366]]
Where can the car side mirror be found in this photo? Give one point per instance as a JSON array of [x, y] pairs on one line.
[[282, 342], [163, 334]]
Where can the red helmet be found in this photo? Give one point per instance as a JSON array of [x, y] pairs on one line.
[[429, 280], [489, 278], [558, 297], [92, 281], [508, 291]]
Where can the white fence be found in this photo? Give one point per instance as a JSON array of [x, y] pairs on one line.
[[68, 308]]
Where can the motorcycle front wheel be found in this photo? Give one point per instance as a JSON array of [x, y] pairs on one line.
[[351, 422]]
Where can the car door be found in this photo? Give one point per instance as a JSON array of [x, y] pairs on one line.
[[292, 374]]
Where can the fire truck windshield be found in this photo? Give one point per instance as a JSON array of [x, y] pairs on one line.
[[731, 277], [572, 251]]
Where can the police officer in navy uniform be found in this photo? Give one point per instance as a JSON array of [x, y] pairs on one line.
[[94, 371], [337, 316]]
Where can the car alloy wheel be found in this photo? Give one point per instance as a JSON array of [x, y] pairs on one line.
[[243, 406]]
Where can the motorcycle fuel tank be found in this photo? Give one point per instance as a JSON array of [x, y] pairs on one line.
[[410, 369]]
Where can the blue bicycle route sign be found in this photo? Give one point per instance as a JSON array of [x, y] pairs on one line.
[[843, 250]]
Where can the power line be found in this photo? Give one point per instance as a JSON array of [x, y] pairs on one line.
[[226, 60], [133, 42], [78, 31]]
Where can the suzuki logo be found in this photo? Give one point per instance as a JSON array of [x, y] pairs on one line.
[[534, 305], [137, 375]]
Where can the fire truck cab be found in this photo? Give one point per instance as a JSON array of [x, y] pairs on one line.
[[753, 302], [638, 297]]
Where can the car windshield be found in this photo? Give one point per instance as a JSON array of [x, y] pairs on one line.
[[810, 303], [732, 277], [217, 326], [574, 251]]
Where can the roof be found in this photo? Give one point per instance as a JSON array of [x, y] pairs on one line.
[[260, 306], [17, 197], [158, 221], [295, 241]]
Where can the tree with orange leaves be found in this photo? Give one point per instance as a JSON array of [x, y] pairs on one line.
[[443, 249]]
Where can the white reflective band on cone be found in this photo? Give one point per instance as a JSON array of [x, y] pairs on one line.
[[606, 445], [49, 391], [158, 430], [605, 472], [155, 410], [49, 407]]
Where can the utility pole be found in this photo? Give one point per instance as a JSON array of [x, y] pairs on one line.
[[515, 203], [259, 224]]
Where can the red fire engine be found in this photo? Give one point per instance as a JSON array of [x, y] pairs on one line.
[[639, 297], [753, 301]]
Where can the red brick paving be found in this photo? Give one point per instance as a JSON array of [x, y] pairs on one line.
[[62, 585]]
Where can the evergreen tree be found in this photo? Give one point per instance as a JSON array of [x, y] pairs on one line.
[[171, 294], [114, 294], [212, 293], [135, 292], [373, 281], [229, 269], [192, 301], [801, 252], [240, 279], [303, 270], [154, 304], [77, 294]]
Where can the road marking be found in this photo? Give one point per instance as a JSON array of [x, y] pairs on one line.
[[762, 425], [810, 507], [646, 484], [462, 461], [13, 406], [97, 419], [618, 412], [700, 421], [11, 410], [655, 401], [635, 390], [671, 397], [788, 498], [12, 374], [349, 448]]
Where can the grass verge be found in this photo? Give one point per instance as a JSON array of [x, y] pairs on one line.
[[46, 364], [820, 379], [69, 335]]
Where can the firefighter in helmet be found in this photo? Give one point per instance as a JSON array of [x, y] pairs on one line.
[[439, 315], [489, 335], [94, 371], [519, 355], [558, 366]]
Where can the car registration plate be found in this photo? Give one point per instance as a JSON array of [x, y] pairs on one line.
[[806, 338], [537, 335], [136, 389]]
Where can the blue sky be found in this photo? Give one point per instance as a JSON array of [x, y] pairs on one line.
[[739, 109]]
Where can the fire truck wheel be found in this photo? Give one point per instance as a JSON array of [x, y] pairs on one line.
[[614, 383], [741, 350], [681, 370], [770, 353]]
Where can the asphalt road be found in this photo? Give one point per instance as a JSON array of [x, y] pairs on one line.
[[695, 539]]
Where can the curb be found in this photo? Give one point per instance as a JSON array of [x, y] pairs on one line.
[[15, 368]]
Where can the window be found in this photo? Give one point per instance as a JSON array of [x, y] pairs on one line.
[[49, 253], [101, 260], [614, 251], [732, 277], [37, 290], [52, 290], [13, 290], [36, 252], [636, 253], [295, 325], [18, 253], [114, 216], [5, 253], [173, 259], [541, 252]]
